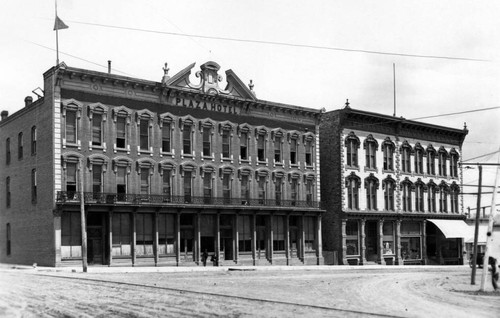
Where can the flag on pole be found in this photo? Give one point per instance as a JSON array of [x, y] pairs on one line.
[[59, 24]]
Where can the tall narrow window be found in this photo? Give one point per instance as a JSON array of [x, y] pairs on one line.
[[352, 237], [33, 186], [262, 189], [186, 139], [431, 161], [121, 183], [371, 146], [33, 140], [144, 134], [309, 155], [293, 151], [419, 197], [167, 185], [97, 178], [121, 133], [71, 127], [165, 137], [187, 186], [7, 191], [226, 188], [96, 130], [226, 143], [261, 148], [389, 195], [309, 192], [406, 189], [454, 164], [145, 186], [388, 153], [352, 185], [405, 158], [8, 239], [442, 162], [244, 146], [419, 160], [207, 188], [371, 185], [207, 141], [352, 145], [431, 198], [454, 191], [277, 149], [443, 199], [244, 233], [20, 145], [294, 191], [277, 190], [245, 189], [71, 178], [7, 151]]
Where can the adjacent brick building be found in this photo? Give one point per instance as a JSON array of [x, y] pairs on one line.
[[391, 189], [170, 170]]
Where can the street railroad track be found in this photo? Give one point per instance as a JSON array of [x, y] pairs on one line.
[[188, 293]]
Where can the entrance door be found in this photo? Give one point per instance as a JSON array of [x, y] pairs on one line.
[[95, 245], [228, 248], [371, 241]]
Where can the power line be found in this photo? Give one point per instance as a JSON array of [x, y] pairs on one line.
[[488, 154], [457, 113], [281, 43]]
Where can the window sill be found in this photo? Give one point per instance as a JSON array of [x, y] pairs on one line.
[[387, 171], [371, 169], [351, 167]]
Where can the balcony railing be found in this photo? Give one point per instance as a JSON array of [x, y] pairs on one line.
[[157, 199]]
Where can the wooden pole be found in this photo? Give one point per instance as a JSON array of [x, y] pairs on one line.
[[394, 83], [476, 228], [82, 219]]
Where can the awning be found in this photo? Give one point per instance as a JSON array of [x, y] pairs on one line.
[[481, 238], [452, 228]]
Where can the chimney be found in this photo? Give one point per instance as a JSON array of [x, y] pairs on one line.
[[28, 100], [4, 114], [109, 66]]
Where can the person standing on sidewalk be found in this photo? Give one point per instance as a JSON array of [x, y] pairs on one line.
[[494, 272]]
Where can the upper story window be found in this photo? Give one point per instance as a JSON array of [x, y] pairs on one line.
[[431, 160], [144, 134], [294, 188], [226, 132], [145, 169], [71, 112], [188, 173], [419, 159], [371, 147], [7, 192], [121, 118], [405, 157], [227, 182], [97, 116], [388, 148], [33, 186], [207, 129], [294, 149], [122, 167], [442, 155], [167, 169], [97, 179], [33, 140], [261, 135], [431, 197], [454, 156], [309, 181], [7, 151], [406, 188], [71, 166], [278, 187], [244, 175], [352, 144], [244, 145], [353, 183], [144, 120], [443, 197], [187, 128], [454, 192], [371, 186], [419, 196], [20, 146], [166, 123], [261, 177], [309, 146], [278, 138], [388, 186]]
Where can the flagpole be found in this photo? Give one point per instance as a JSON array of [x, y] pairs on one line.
[[57, 40]]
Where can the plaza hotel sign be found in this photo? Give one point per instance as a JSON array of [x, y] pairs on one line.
[[205, 105]]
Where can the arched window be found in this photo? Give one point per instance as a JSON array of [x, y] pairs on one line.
[[454, 156], [444, 189], [419, 195], [388, 150], [167, 172], [352, 144], [419, 158], [431, 197], [406, 187], [431, 160], [454, 192], [388, 186], [352, 184], [442, 155], [371, 187], [371, 146], [166, 123], [97, 115], [405, 151]]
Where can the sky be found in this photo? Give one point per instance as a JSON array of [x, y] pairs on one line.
[[332, 57]]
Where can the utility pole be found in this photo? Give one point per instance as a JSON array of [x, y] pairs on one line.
[[82, 219], [476, 227]]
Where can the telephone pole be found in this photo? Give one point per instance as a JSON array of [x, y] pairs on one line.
[[82, 219]]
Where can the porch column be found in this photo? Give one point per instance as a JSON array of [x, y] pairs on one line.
[[110, 237], [287, 239], [236, 237], [217, 238], [319, 241], [380, 245], [134, 237], [344, 242], [197, 239], [399, 259], [178, 238], [363, 243], [155, 238], [254, 238], [271, 238], [424, 242]]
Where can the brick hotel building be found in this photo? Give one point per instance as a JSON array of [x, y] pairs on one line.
[[170, 169], [391, 189]]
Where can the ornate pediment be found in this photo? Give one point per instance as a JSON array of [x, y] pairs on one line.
[[209, 81]]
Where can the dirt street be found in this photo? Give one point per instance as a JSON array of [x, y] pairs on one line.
[[314, 292]]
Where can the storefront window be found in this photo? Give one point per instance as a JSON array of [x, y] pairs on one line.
[[388, 238], [411, 241], [352, 240]]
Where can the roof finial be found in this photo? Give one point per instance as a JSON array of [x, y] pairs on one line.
[[465, 126], [165, 74], [251, 86], [347, 103]]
